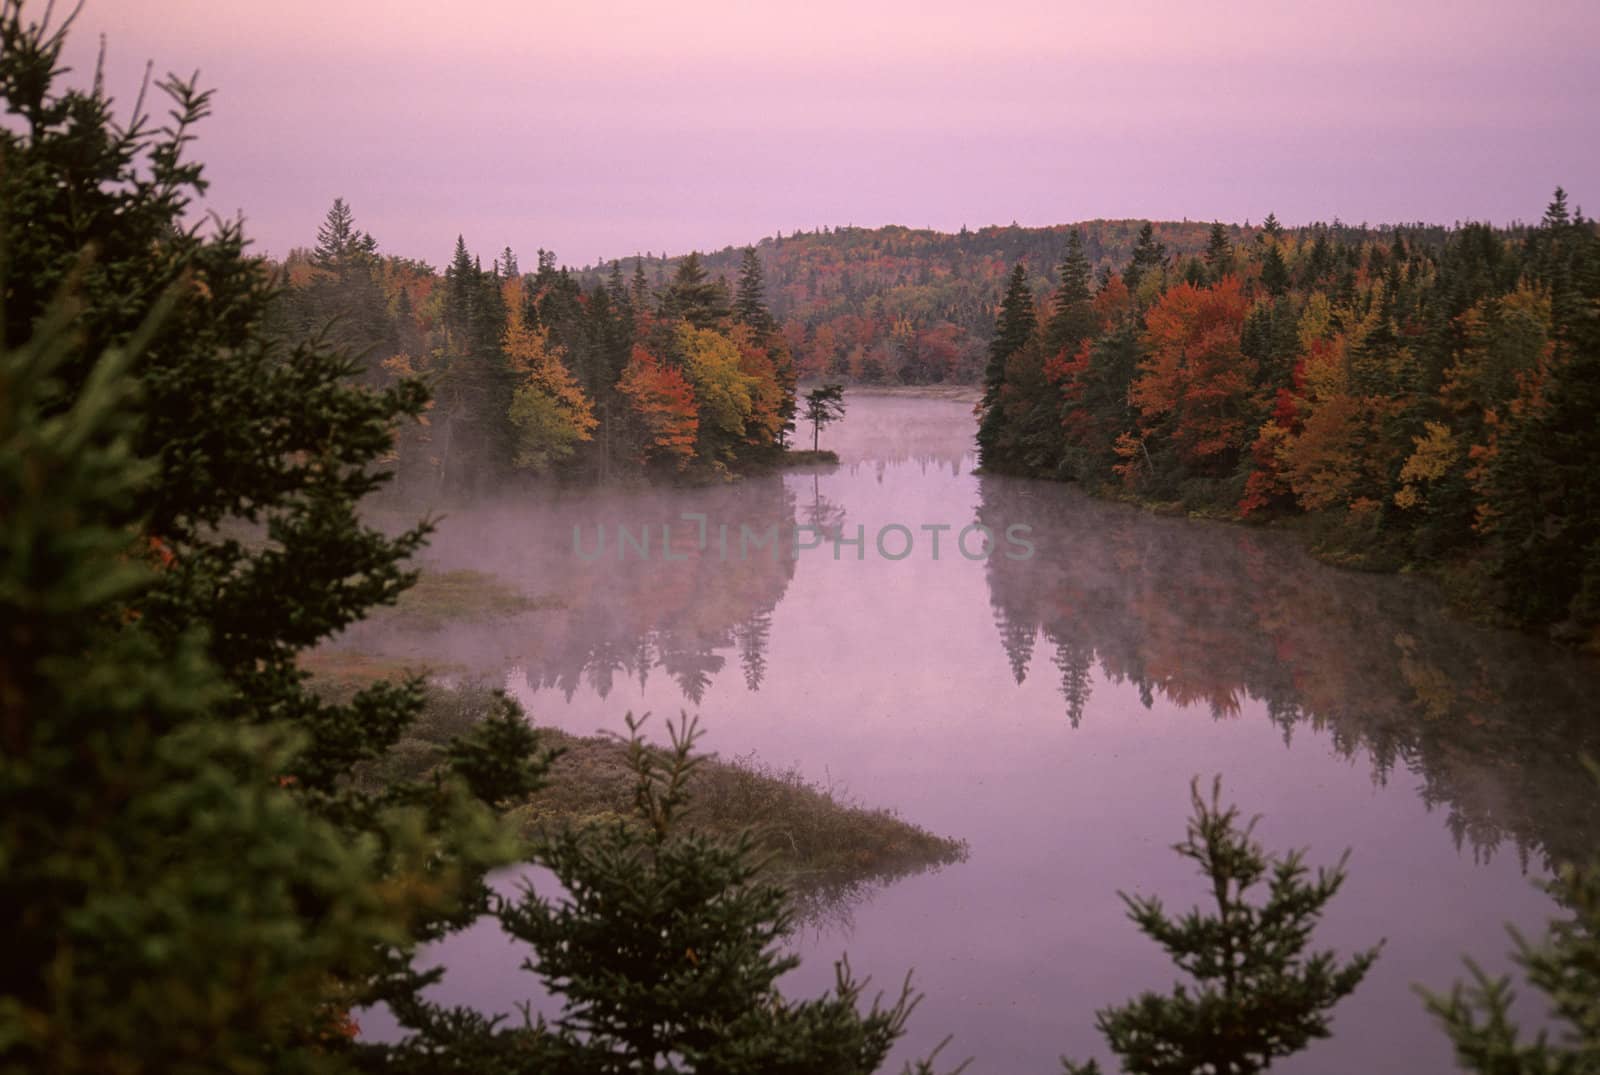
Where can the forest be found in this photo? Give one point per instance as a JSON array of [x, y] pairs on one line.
[[1413, 400], [1414, 395]]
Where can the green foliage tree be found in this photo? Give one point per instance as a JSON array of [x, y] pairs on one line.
[[146, 942], [168, 725], [824, 406], [1258, 995], [663, 948]]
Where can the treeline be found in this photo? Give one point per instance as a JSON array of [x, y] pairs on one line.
[[897, 305], [534, 372], [1423, 402]]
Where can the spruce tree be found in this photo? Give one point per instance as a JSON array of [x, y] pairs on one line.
[[1014, 324], [1072, 318], [1257, 995], [664, 948], [337, 237], [750, 300], [693, 296], [244, 436], [1014, 327], [1274, 272], [1219, 252], [1149, 255]]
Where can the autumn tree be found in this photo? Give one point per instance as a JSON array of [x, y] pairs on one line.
[[662, 402], [711, 363], [1194, 386], [549, 411]]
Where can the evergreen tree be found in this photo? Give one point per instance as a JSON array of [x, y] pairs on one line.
[[1274, 272], [665, 949], [338, 241], [824, 406], [1257, 995], [693, 296], [1149, 255], [1072, 319], [157, 720], [750, 301], [344, 305], [639, 293], [1219, 252], [1014, 327], [1014, 324]]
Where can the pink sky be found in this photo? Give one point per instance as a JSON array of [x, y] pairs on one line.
[[598, 128]]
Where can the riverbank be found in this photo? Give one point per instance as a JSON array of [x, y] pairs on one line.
[[1459, 585], [812, 836], [808, 834]]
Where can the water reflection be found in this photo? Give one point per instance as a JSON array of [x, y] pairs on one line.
[[616, 602], [1208, 615], [1051, 712]]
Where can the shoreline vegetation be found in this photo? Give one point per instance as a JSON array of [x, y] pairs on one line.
[[1422, 400], [816, 840]]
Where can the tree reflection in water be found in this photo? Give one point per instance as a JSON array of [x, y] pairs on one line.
[[1493, 724]]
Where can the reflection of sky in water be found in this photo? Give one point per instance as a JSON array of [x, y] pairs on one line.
[[1052, 711]]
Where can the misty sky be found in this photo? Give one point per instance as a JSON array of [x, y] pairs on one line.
[[598, 128]]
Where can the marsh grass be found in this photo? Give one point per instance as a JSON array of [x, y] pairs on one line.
[[826, 847], [805, 457], [337, 674], [442, 597]]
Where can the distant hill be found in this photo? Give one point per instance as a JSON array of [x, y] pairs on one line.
[[846, 296]]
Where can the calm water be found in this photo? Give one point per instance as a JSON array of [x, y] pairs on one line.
[[1051, 711]]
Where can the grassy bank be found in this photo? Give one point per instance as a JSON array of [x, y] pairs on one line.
[[796, 457], [440, 597], [813, 837]]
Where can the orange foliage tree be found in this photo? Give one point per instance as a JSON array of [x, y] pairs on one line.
[[663, 403], [1195, 383]]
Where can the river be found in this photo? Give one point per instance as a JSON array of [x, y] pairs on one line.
[[1049, 704]]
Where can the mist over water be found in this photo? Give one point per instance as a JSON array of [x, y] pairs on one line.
[[1050, 710]]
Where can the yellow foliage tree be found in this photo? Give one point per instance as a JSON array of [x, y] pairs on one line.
[[549, 410]]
